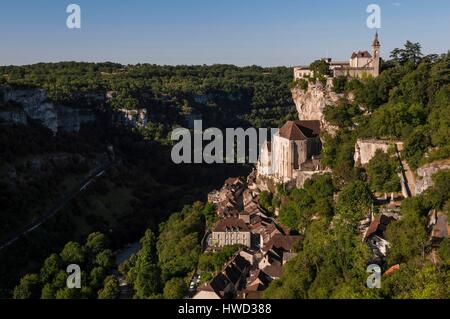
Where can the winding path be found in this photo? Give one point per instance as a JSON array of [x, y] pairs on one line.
[[12, 238]]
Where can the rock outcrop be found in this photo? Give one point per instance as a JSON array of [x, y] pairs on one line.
[[14, 117], [70, 119], [425, 174], [37, 106], [131, 118], [311, 103]]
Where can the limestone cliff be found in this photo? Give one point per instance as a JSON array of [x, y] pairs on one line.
[[131, 118], [37, 106], [425, 174], [311, 103], [13, 117]]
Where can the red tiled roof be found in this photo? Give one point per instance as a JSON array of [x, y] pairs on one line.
[[391, 270], [372, 228]]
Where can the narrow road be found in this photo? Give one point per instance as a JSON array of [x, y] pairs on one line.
[[407, 178], [12, 238], [196, 275], [410, 178]]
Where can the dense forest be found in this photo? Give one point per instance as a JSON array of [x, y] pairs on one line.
[[409, 101], [222, 94]]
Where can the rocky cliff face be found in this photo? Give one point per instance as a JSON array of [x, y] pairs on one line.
[[425, 174], [131, 118], [36, 105], [70, 119], [311, 103], [14, 117]]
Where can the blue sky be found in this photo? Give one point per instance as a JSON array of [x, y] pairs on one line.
[[241, 32]]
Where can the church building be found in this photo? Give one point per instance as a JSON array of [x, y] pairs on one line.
[[294, 149]]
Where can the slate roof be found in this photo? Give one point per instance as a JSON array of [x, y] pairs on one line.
[[231, 224], [279, 241], [361, 54], [300, 130]]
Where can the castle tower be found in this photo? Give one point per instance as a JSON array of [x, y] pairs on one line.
[[376, 56]]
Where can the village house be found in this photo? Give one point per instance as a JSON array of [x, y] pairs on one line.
[[257, 282], [273, 252], [232, 190], [265, 250], [230, 280], [230, 231], [374, 236], [263, 230]]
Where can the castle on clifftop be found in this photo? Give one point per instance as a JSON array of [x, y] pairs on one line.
[[361, 64], [293, 154]]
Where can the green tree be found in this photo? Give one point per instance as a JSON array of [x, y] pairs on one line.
[[110, 290], [383, 173], [265, 200], [411, 52], [175, 288], [341, 114], [416, 145], [407, 238], [178, 245], [73, 253], [148, 281], [416, 280], [50, 269], [96, 277], [354, 204], [48, 292], [439, 195], [105, 259], [66, 293], [28, 288], [96, 242], [444, 251], [339, 84], [320, 68]]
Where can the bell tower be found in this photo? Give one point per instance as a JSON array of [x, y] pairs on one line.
[[376, 55]]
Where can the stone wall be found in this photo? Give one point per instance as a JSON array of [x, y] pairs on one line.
[[365, 149]]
